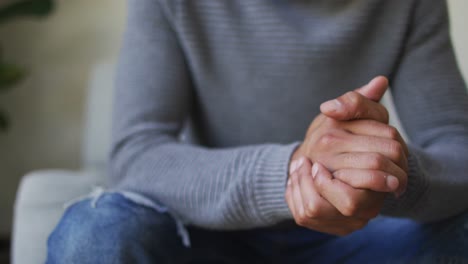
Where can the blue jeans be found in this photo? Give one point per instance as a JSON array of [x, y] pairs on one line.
[[117, 229]]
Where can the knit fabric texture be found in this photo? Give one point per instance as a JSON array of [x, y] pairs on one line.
[[213, 96]]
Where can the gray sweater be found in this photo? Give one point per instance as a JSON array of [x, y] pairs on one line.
[[241, 80]]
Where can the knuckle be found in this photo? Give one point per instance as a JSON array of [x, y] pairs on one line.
[[393, 132], [376, 161], [352, 102], [350, 208], [312, 210], [342, 100], [352, 97], [339, 174], [328, 138]]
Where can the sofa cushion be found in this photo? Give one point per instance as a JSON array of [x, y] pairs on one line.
[[40, 203]]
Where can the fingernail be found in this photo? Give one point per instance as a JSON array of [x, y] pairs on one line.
[[315, 170], [293, 167], [331, 106], [300, 162], [392, 182], [289, 182]]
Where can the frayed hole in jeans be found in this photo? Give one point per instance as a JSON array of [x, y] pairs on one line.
[[95, 194]]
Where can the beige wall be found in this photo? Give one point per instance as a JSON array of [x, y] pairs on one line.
[[459, 20], [48, 107]]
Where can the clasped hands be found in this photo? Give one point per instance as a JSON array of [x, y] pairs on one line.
[[349, 161]]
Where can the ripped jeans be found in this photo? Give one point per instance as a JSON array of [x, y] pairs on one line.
[[128, 228]]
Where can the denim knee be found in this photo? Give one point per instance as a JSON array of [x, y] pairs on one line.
[[446, 241], [113, 229]]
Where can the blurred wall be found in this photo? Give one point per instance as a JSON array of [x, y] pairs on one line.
[[459, 20], [47, 109]]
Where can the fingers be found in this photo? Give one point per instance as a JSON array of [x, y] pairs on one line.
[[293, 190], [294, 201], [306, 202], [314, 205], [353, 105], [389, 148], [297, 198], [374, 180], [335, 142], [313, 211], [376, 129], [370, 161], [349, 201]]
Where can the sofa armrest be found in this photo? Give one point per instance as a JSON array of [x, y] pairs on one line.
[[40, 204]]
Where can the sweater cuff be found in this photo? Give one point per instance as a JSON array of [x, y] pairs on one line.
[[404, 206], [270, 183]]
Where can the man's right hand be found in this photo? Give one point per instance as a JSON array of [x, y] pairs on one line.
[[361, 151], [357, 144]]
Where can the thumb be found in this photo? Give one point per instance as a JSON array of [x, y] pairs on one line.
[[375, 89], [360, 104]]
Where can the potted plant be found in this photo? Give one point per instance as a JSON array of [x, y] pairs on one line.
[[11, 74]]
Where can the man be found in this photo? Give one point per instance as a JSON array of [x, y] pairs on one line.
[[242, 81]]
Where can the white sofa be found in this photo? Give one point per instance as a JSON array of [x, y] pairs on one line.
[[42, 194]]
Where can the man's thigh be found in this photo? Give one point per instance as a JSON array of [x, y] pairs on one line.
[[386, 240], [220, 247], [408, 241], [113, 228]]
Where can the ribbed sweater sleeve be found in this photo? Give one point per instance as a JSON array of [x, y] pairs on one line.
[[233, 188], [432, 102]]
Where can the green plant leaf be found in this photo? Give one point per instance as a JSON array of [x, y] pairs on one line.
[[10, 75], [36, 8], [4, 121]]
